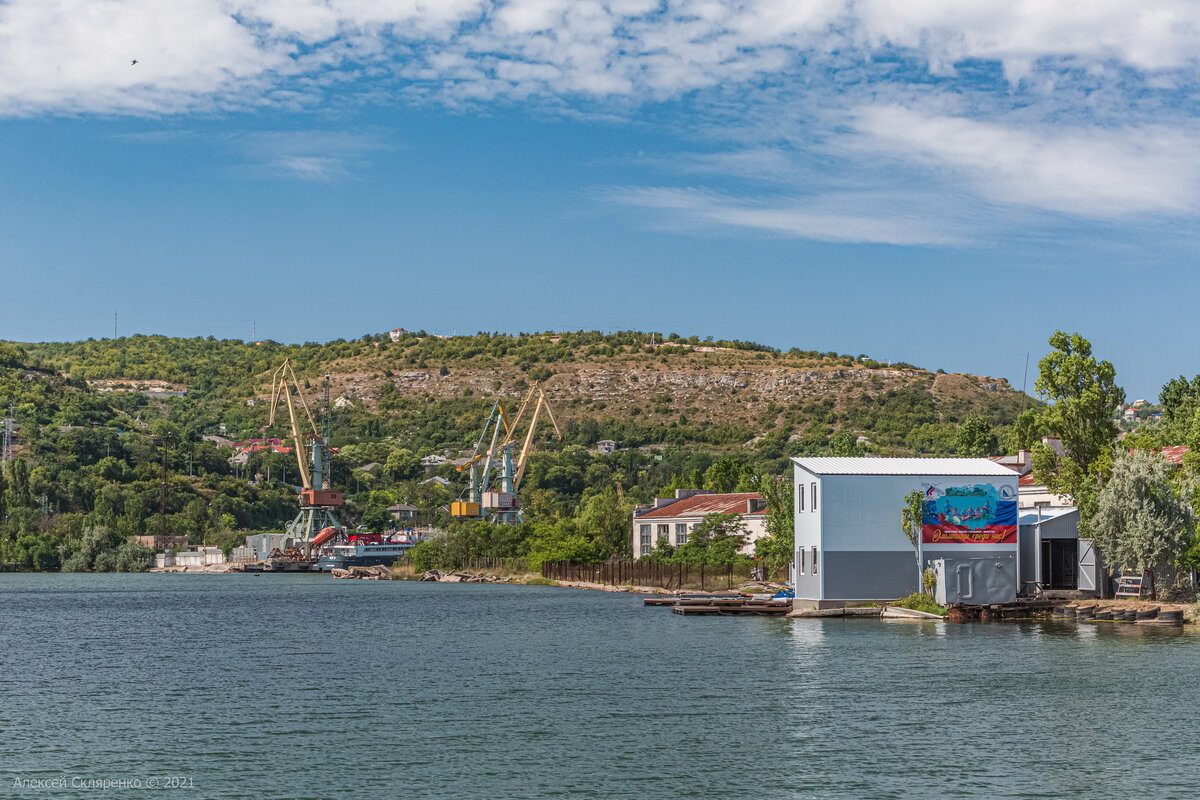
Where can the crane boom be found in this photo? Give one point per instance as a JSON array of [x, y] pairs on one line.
[[527, 445], [282, 382]]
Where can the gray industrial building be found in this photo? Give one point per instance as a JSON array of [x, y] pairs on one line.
[[849, 545], [1052, 553]]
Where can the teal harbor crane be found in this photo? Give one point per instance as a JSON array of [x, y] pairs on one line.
[[495, 496]]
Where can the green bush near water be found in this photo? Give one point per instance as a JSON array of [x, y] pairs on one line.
[[921, 602]]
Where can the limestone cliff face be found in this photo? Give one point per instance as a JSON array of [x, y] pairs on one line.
[[736, 388]]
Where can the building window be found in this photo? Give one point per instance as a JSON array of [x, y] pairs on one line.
[[800, 495], [664, 531], [647, 545], [681, 533], [803, 555], [813, 486], [645, 531], [814, 558]]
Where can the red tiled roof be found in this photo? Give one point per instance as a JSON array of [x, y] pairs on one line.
[[1174, 454], [1026, 480], [699, 505]]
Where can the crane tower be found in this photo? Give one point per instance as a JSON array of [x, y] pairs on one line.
[[317, 500]]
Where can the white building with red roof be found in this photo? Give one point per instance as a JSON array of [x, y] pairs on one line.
[[673, 518]]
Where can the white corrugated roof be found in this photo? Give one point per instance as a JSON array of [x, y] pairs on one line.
[[835, 465], [1048, 513]]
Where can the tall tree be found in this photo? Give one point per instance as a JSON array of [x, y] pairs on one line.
[[1027, 430], [1179, 397], [1083, 399], [1141, 521], [725, 474], [975, 438], [912, 515], [778, 547]]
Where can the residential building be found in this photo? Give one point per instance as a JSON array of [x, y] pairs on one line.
[[1021, 463], [402, 512], [438, 479], [1031, 494], [605, 446], [674, 518]]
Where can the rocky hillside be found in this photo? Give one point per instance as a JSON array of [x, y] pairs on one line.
[[635, 388]]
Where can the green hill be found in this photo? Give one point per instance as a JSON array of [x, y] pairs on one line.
[[95, 418]]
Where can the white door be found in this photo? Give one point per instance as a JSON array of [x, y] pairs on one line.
[[1085, 575]]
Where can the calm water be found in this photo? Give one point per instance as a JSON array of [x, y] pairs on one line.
[[308, 687]]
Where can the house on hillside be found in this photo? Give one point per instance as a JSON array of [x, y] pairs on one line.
[[605, 446], [673, 518], [402, 512], [438, 479]]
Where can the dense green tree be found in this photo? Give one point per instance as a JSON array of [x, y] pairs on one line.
[[1083, 399], [1142, 520], [975, 438], [845, 443], [377, 519], [1026, 431], [778, 548], [726, 475]]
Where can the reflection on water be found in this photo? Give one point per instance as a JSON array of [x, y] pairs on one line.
[[303, 686]]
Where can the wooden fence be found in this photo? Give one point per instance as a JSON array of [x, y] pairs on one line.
[[643, 573]]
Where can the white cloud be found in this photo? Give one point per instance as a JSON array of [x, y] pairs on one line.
[[1085, 171], [879, 217], [1078, 107], [73, 55]]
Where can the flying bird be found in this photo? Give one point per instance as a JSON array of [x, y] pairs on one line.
[[131, 63]]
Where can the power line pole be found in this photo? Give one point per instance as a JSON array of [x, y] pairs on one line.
[[160, 542]]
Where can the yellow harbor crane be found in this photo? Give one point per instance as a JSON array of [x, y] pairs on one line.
[[315, 524], [496, 495]]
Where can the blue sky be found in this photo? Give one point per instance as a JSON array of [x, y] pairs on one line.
[[936, 182]]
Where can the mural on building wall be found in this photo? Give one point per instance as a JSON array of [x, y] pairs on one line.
[[976, 514]]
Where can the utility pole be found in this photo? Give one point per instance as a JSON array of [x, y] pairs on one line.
[[160, 541]]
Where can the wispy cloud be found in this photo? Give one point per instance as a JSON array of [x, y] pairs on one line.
[[871, 217], [306, 155], [1091, 172]]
